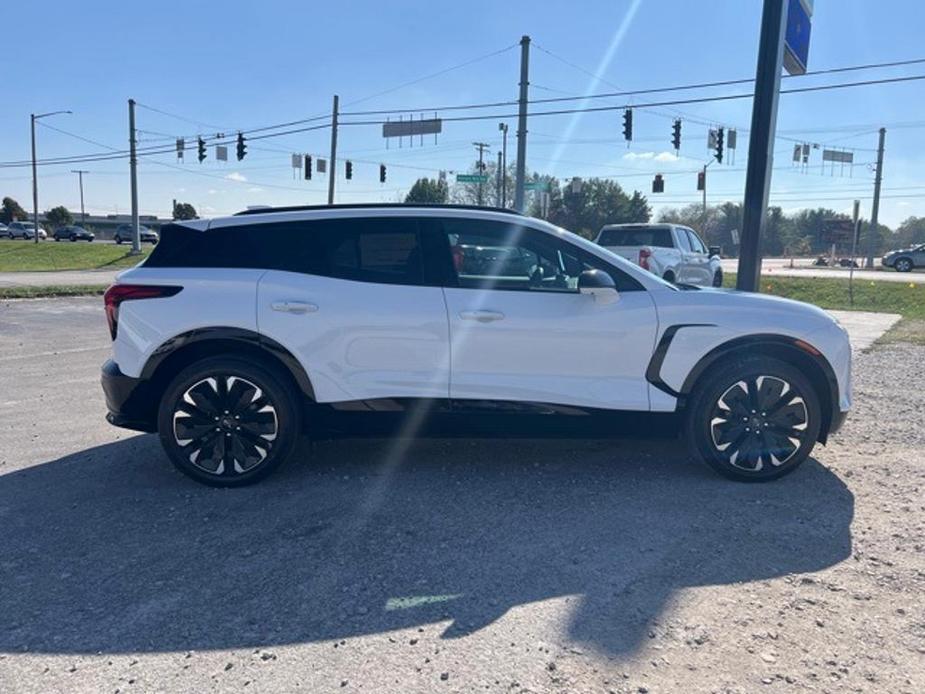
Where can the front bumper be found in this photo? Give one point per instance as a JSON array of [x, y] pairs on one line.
[[128, 400]]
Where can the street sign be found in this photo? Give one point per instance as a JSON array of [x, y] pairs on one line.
[[796, 36], [472, 178], [406, 128], [537, 185], [837, 230]]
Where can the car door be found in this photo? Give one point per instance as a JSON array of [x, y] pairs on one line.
[[521, 331], [350, 299], [699, 265]]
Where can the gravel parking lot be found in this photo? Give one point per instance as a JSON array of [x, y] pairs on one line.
[[449, 565]]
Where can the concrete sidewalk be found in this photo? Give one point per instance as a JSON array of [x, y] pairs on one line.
[[864, 327], [42, 279]]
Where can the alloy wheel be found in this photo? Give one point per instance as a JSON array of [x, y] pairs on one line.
[[225, 425], [759, 421]]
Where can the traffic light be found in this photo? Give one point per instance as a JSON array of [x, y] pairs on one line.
[[349, 168], [201, 146], [381, 173], [676, 134], [719, 145], [308, 167], [701, 180], [658, 184], [628, 124], [242, 148]]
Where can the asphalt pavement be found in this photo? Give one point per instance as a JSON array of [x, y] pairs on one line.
[[392, 565]]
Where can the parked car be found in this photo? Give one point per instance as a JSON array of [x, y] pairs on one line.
[[905, 259], [124, 233], [4, 229], [237, 333], [24, 230], [675, 253], [73, 233]]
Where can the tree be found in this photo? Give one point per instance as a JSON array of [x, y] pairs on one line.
[[59, 216], [11, 211], [910, 232], [428, 191], [585, 208], [183, 210]]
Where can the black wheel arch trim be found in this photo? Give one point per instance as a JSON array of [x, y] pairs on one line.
[[832, 418], [240, 335]]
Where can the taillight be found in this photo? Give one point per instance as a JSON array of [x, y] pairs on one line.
[[118, 293], [644, 255]]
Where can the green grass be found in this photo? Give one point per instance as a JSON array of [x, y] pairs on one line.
[[21, 256], [905, 298], [52, 290]]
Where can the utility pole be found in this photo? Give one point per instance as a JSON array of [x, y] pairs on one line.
[[332, 171], [499, 176], [35, 176], [481, 147], [80, 177], [875, 208], [761, 142], [855, 231], [520, 174], [133, 171], [703, 222], [503, 197]]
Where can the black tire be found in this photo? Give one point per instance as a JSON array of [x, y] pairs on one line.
[[118, 239], [718, 278], [218, 386], [717, 436], [668, 277], [903, 264], [73, 239], [57, 239]]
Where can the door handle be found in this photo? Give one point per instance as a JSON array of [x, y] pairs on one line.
[[298, 307], [481, 316]]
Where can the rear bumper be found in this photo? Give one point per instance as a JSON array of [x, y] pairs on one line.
[[127, 400]]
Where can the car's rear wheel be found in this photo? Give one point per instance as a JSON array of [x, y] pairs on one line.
[[718, 278], [755, 419], [118, 239], [903, 265], [669, 277], [227, 422]]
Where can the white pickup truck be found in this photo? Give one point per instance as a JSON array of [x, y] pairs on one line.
[[674, 253]]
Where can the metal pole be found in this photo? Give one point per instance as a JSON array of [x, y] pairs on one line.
[[133, 171], [503, 127], [520, 174], [499, 176], [854, 249], [332, 172], [761, 142], [875, 208], [703, 223], [80, 178], [35, 185]]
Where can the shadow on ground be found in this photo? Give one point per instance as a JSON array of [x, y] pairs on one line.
[[111, 550]]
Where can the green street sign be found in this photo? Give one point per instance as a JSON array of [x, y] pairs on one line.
[[537, 185], [472, 178]]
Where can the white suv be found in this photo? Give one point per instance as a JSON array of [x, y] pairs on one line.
[[237, 334]]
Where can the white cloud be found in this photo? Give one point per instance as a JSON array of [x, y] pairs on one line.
[[665, 156], [255, 189], [633, 156], [213, 191], [236, 176]]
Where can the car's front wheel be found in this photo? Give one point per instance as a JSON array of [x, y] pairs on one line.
[[903, 265], [754, 419], [227, 422], [118, 239]]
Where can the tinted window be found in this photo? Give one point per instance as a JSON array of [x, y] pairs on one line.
[[384, 250], [636, 236], [495, 255], [684, 243]]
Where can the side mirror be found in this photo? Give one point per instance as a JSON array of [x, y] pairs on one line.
[[599, 285], [715, 251]]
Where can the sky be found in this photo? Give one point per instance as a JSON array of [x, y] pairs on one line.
[[204, 68]]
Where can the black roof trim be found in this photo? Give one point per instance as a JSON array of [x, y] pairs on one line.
[[373, 206]]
